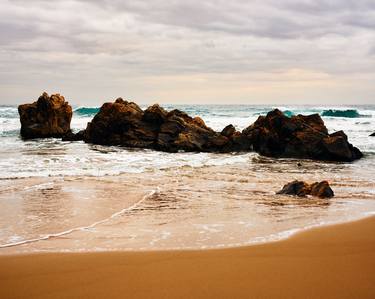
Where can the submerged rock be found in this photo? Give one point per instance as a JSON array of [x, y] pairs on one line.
[[298, 188], [300, 136], [70, 136], [321, 189], [47, 117], [125, 123], [301, 188]]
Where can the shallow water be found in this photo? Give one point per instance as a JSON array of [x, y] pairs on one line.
[[64, 196]]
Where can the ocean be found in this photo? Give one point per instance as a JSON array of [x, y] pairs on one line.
[[72, 196]]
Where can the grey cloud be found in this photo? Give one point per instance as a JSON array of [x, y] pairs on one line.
[[13, 32], [273, 19], [110, 41]]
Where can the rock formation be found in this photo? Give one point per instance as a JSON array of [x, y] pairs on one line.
[[125, 123], [300, 136], [47, 117], [372, 135], [301, 189]]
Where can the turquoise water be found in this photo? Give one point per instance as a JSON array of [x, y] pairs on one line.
[[351, 113]]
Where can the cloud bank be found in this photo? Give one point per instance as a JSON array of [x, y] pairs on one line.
[[208, 51]]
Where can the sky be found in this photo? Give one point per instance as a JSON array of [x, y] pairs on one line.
[[192, 52]]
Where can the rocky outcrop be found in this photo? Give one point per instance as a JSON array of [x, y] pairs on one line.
[[302, 189], [372, 135], [125, 123], [47, 117], [300, 136]]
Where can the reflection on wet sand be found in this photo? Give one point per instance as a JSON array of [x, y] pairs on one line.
[[187, 207]]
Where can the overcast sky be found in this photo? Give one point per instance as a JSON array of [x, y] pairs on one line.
[[195, 51]]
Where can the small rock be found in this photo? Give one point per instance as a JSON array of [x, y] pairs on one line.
[[298, 188], [321, 190], [70, 136], [301, 188]]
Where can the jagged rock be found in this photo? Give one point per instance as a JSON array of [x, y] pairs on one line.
[[301, 189], [155, 114], [299, 136], [124, 123], [47, 117], [228, 131]]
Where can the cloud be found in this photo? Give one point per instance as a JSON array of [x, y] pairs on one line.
[[113, 46]]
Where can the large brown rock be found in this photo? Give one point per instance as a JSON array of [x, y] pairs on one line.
[[299, 136], [301, 189], [47, 117], [125, 123]]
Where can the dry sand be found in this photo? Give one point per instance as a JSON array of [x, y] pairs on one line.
[[330, 262]]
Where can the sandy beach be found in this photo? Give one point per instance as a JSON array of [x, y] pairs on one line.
[[329, 262]]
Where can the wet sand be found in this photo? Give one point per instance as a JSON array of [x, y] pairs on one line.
[[330, 262]]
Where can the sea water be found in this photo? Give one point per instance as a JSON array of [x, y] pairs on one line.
[[72, 196]]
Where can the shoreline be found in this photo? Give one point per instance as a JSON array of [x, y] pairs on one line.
[[286, 235], [334, 261]]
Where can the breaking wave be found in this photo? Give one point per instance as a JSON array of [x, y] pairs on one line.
[[86, 111], [350, 113]]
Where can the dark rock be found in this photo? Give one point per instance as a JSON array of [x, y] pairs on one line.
[[372, 135], [299, 136], [70, 136], [47, 117], [155, 114], [300, 188], [124, 123], [228, 131], [321, 189]]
